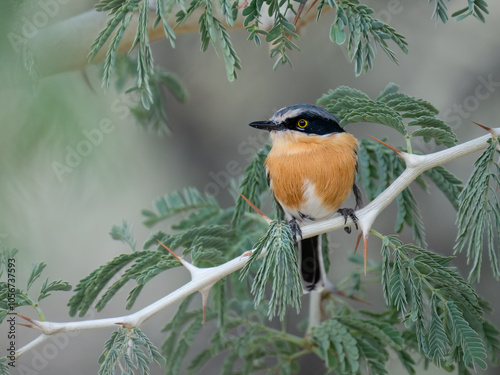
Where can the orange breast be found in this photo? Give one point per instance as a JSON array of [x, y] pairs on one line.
[[327, 162]]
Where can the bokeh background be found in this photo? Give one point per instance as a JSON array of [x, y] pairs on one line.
[[64, 219]]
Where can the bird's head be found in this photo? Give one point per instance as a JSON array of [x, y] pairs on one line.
[[306, 119]]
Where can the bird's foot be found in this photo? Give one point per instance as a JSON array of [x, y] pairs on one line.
[[295, 228], [348, 213]]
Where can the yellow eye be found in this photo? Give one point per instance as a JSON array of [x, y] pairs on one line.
[[302, 123]]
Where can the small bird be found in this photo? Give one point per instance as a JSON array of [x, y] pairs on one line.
[[310, 170]]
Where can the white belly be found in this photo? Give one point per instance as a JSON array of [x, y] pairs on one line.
[[311, 210]]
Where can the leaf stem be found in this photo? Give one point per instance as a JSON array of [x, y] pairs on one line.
[[39, 311], [409, 149]]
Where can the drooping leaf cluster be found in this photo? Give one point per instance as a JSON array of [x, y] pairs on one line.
[[279, 267], [355, 24], [350, 343], [129, 350], [272, 19], [478, 218], [213, 30], [436, 304]]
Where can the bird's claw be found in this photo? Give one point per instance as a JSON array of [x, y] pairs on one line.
[[295, 228], [348, 213]]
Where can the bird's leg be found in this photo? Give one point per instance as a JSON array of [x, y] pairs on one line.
[[348, 213], [295, 228]]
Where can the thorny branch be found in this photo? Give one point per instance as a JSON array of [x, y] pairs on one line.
[[202, 279]]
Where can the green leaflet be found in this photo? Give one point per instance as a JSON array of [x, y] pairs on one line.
[[53, 286], [397, 286], [175, 346], [339, 93], [211, 31], [36, 271], [280, 37], [147, 266], [382, 331], [440, 136], [375, 357], [333, 335]]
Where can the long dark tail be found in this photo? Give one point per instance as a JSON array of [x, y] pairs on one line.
[[311, 265]]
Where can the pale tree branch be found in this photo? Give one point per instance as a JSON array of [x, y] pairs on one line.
[[204, 278]]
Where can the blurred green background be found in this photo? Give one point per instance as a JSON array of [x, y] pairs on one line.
[[63, 216]]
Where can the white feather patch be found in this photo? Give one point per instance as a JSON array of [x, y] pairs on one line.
[[313, 206]]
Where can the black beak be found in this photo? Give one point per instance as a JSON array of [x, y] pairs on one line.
[[266, 125]]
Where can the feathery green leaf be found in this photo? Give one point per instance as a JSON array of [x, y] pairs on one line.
[[123, 233], [438, 342], [174, 203], [36, 271], [479, 212], [129, 350], [279, 265], [53, 286], [471, 344]]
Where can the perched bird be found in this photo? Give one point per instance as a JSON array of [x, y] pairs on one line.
[[310, 169]]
